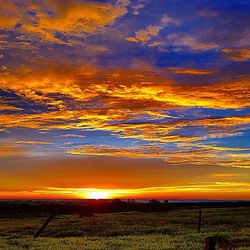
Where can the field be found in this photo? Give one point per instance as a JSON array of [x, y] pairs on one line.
[[173, 229]]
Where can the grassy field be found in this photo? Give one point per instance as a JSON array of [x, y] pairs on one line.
[[175, 229]]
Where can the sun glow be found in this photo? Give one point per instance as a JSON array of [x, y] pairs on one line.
[[197, 190], [97, 195]]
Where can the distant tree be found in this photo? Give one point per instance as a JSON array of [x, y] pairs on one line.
[[154, 201], [155, 205], [116, 200], [131, 200]]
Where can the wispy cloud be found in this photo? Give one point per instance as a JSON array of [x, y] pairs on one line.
[[238, 54], [219, 176], [73, 135], [34, 142], [201, 155], [152, 31], [191, 71]]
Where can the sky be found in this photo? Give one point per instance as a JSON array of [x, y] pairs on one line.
[[125, 99]]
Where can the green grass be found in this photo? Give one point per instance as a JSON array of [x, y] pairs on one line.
[[133, 230]]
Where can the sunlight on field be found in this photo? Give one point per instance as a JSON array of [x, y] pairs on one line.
[[169, 230]]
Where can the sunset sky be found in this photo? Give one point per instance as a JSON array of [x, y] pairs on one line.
[[125, 99]]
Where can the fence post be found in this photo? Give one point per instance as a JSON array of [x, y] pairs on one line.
[[210, 243], [219, 242], [199, 222], [44, 225]]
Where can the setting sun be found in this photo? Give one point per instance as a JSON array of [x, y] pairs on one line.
[[97, 195]]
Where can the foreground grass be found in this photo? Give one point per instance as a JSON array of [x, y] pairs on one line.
[[187, 241], [134, 230]]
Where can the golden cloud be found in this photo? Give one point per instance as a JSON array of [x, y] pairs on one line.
[[191, 71], [123, 95], [118, 87], [98, 120], [238, 54], [216, 127], [152, 132], [222, 122], [222, 148], [60, 119], [9, 107], [58, 16]]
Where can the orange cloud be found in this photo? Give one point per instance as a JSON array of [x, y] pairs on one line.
[[225, 175], [9, 150], [71, 17], [161, 132], [125, 95], [191, 71], [132, 39], [9, 14], [222, 122], [121, 87], [238, 54], [8, 107], [98, 120], [222, 148]]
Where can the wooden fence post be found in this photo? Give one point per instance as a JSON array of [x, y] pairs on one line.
[[199, 222], [44, 225], [219, 242], [210, 243]]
